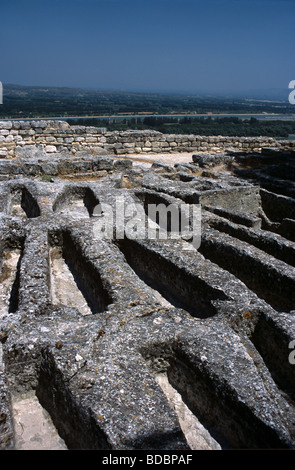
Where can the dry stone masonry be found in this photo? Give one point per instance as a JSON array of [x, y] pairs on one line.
[[142, 344], [25, 138]]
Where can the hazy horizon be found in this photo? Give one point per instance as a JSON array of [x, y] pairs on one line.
[[150, 46], [271, 94]]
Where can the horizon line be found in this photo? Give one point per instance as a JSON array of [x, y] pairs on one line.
[[154, 91]]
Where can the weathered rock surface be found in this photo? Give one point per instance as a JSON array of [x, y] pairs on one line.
[[91, 324]]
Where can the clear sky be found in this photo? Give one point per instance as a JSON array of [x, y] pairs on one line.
[[148, 45]]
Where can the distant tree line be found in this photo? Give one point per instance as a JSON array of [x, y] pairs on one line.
[[37, 102], [227, 126], [21, 102]]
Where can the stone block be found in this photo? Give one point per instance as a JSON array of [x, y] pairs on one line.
[[50, 148], [7, 125]]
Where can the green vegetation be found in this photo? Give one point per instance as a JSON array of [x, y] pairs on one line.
[[37, 102], [229, 126], [47, 178], [173, 114]]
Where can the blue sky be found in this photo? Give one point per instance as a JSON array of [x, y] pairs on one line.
[[148, 45]]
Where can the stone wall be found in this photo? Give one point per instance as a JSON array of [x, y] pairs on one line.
[[20, 138]]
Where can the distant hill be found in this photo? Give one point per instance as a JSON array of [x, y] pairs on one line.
[[40, 91], [64, 92]]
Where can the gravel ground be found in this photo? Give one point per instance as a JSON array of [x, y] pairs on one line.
[[146, 160]]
